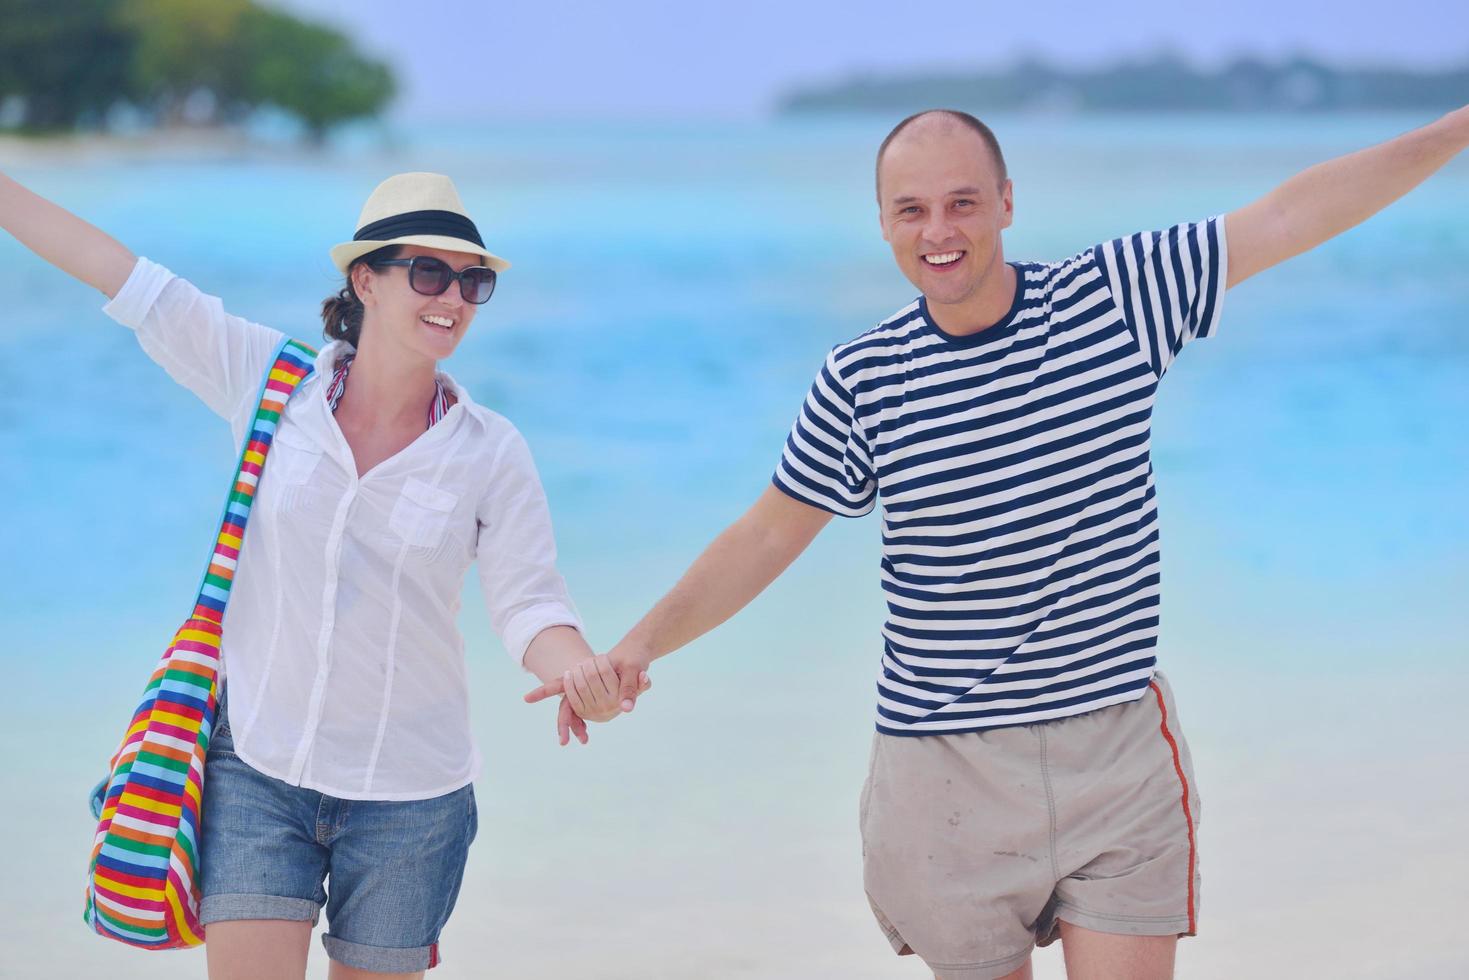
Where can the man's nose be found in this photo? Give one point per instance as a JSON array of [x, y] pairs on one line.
[[938, 228]]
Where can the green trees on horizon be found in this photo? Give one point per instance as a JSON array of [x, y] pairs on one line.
[[69, 63], [1164, 82]]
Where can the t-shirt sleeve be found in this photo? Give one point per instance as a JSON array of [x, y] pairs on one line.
[[523, 591], [1168, 284], [827, 461], [218, 357]]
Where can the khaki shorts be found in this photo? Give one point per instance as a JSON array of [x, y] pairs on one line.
[[975, 845]]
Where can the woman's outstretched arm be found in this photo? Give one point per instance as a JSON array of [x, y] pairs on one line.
[[63, 239], [217, 356]]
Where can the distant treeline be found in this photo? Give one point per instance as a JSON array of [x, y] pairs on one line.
[[71, 63], [1163, 83]]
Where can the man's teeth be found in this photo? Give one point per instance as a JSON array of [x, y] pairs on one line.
[[942, 258], [438, 321]]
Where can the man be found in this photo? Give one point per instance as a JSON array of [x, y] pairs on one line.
[[1028, 778]]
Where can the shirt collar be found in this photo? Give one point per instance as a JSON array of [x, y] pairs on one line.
[[326, 366]]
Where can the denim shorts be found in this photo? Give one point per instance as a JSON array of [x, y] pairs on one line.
[[387, 872]]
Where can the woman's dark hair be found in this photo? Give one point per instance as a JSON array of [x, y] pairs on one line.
[[341, 315]]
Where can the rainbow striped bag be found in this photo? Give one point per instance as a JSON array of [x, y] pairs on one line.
[[142, 884]]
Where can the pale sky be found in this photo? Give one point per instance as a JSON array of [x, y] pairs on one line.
[[637, 58]]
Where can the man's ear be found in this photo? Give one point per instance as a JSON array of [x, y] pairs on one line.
[[1007, 202]]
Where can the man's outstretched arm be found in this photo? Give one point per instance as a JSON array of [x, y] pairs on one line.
[[749, 555], [1329, 198]]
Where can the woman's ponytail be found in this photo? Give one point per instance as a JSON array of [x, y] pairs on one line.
[[341, 315]]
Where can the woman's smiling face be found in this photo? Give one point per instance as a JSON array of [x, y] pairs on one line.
[[396, 314]]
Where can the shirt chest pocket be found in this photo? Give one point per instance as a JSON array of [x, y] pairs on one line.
[[290, 462], [421, 513], [290, 468]]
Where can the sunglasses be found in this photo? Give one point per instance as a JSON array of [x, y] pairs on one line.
[[431, 276]]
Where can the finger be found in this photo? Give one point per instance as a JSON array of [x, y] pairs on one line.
[[590, 681], [564, 715], [568, 686], [608, 677], [549, 689], [629, 689], [644, 682], [577, 690], [579, 728]]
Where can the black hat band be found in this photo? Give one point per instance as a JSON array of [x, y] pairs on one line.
[[445, 223]]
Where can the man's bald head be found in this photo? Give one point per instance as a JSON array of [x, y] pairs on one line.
[[937, 122]]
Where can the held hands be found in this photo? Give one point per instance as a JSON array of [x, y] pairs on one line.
[[596, 689], [592, 687]]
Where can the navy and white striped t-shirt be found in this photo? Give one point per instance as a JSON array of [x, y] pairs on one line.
[[1020, 529]]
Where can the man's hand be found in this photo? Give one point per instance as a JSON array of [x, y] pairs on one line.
[[590, 691], [593, 688], [631, 666]]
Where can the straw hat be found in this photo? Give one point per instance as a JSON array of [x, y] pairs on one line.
[[415, 209]]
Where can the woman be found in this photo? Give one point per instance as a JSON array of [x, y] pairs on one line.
[[342, 744]]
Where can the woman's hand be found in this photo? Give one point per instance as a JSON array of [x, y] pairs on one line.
[[569, 724], [553, 655], [591, 684], [593, 689]]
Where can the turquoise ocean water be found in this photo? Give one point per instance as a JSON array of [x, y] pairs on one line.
[[674, 289]]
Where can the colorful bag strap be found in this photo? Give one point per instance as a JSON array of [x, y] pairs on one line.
[[293, 363], [142, 884]]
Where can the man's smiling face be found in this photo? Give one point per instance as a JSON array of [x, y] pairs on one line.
[[943, 205]]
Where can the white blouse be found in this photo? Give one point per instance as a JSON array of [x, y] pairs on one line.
[[345, 667]]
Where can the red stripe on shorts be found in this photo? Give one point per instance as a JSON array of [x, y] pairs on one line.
[[433, 955], [1187, 814]]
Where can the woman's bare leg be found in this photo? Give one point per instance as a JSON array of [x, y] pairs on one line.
[[340, 972], [257, 949]]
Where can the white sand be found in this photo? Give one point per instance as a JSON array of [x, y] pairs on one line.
[[713, 835]]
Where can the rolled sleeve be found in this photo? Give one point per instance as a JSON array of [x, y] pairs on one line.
[[137, 296], [523, 591], [217, 356], [525, 625]]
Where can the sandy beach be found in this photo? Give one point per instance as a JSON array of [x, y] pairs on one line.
[[714, 834]]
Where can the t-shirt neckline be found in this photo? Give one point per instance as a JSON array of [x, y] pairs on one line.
[[1004, 326]]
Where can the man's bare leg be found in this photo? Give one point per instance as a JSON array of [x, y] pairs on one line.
[[1092, 955], [1021, 974]]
